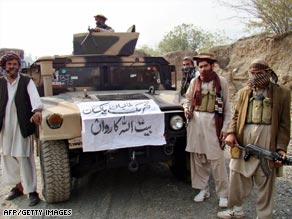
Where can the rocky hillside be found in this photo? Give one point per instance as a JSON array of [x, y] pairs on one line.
[[234, 59]]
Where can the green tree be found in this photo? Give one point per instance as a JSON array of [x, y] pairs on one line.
[[187, 37], [274, 16], [149, 51]]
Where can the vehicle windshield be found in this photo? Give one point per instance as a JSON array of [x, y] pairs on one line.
[[107, 77]]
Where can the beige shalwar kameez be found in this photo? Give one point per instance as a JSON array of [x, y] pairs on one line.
[[245, 174], [17, 155], [203, 144]]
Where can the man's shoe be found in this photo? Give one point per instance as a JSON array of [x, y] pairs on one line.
[[14, 193], [34, 198], [230, 213], [202, 195], [223, 202]]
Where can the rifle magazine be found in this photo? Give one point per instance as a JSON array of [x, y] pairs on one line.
[[265, 167]]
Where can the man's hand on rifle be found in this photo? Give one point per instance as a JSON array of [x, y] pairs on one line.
[[231, 140], [283, 154], [96, 30]]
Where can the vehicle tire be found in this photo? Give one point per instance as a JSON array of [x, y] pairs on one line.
[[55, 169], [180, 165]]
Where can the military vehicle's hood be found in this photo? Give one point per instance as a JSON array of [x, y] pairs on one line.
[[164, 99], [65, 106]]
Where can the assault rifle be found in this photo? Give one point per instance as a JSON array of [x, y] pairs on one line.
[[263, 155]]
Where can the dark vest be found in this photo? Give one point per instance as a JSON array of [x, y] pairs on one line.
[[22, 102]]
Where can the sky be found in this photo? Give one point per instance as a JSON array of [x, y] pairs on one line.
[[46, 27]]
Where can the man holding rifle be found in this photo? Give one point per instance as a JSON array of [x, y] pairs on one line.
[[261, 118], [100, 27]]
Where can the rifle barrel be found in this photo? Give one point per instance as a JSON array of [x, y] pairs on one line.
[[259, 152]]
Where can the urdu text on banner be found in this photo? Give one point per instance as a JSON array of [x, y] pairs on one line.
[[108, 125]]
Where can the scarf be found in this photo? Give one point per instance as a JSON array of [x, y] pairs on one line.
[[219, 110], [259, 80], [188, 75]]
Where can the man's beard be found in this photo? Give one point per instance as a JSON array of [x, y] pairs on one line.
[[206, 75], [12, 73]]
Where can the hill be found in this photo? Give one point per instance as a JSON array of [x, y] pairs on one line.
[[234, 59]]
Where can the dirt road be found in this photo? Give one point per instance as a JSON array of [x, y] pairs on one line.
[[151, 193]]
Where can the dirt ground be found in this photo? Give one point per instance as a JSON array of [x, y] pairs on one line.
[[151, 193], [283, 201]]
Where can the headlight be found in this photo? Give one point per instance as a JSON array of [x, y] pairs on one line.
[[176, 122], [54, 121]]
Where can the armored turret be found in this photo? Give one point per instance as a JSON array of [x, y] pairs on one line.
[[105, 43]]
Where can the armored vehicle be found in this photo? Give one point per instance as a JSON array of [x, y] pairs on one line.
[[105, 107]]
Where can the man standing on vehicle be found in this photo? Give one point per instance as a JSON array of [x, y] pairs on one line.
[[20, 110], [100, 24], [188, 73], [262, 118], [208, 111]]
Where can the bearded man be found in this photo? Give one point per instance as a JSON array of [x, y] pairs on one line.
[[262, 118], [208, 110], [20, 110]]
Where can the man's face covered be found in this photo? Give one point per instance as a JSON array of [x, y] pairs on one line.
[[260, 74], [259, 78], [187, 66]]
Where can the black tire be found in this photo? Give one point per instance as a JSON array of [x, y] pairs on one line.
[[55, 170], [180, 165]]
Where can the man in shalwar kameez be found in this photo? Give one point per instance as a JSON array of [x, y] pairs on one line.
[[208, 111], [20, 110], [262, 118]]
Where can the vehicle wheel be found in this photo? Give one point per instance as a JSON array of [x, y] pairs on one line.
[[55, 170], [180, 165]]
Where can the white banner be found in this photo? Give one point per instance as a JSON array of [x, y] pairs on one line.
[[110, 125]]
